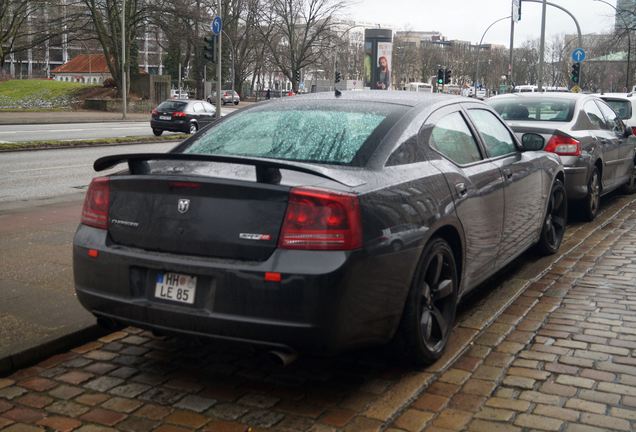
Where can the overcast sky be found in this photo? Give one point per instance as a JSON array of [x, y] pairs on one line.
[[467, 19]]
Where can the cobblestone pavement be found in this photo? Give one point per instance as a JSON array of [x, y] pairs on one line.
[[546, 346]]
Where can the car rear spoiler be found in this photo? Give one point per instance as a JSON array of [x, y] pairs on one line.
[[267, 170]]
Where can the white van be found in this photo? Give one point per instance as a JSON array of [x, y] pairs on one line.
[[419, 87]]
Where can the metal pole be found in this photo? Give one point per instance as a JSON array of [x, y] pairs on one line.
[[542, 48], [179, 86], [218, 67], [124, 84], [232, 53], [479, 50], [512, 45]]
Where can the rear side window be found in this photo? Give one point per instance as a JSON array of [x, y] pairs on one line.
[[611, 118], [494, 134], [452, 138], [171, 106], [622, 107], [320, 134], [595, 115]]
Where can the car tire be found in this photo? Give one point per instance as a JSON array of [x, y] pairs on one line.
[[555, 220], [236, 102], [630, 186], [593, 199], [431, 304], [157, 132], [193, 128]]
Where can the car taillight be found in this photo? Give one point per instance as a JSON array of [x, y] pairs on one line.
[[321, 220], [96, 203], [225, 94], [563, 146], [633, 130], [178, 114], [154, 111]]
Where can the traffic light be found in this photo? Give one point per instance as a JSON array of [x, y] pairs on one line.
[[338, 77], [440, 76], [576, 73], [447, 76], [297, 76], [209, 49]]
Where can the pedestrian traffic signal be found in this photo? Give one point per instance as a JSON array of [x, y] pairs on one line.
[[576, 73], [440, 76], [447, 76], [209, 49], [338, 77]]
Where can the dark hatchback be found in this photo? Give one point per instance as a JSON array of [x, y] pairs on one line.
[[275, 226], [181, 116]]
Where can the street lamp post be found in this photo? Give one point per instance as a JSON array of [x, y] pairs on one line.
[[233, 54], [479, 51], [629, 40]]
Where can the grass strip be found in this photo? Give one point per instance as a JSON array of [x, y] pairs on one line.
[[53, 144]]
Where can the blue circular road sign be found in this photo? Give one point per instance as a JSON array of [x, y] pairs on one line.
[[216, 25], [578, 55]]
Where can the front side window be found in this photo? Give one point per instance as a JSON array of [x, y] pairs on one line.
[[452, 138], [319, 133], [494, 134]]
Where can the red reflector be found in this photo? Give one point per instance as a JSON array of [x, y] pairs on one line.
[[178, 114], [93, 253], [96, 203], [272, 277], [563, 146], [321, 220]]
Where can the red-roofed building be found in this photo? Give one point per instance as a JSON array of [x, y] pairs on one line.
[[84, 68]]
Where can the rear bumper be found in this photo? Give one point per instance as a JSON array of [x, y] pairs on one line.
[[326, 301], [171, 125]]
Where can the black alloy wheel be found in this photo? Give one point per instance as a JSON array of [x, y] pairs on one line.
[[430, 309], [193, 128], [593, 199], [555, 220]]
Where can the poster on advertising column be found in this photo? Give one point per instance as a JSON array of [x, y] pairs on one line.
[[383, 64]]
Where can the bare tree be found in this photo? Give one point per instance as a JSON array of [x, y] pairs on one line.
[[298, 32]]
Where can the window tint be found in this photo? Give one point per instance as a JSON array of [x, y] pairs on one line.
[[611, 118], [452, 138], [494, 134], [171, 106], [595, 115]]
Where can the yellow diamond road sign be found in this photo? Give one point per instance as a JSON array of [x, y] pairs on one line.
[[576, 89]]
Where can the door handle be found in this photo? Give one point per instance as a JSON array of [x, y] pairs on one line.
[[461, 189], [508, 174]]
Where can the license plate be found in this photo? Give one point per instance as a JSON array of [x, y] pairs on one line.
[[165, 118], [176, 287]]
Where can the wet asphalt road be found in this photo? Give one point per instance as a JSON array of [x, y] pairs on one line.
[[35, 175]]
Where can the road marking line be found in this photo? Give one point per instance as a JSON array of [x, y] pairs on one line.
[[48, 168]]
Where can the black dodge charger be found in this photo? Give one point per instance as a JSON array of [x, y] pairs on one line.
[[318, 223]]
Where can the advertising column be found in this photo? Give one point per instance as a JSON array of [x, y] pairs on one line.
[[378, 50]]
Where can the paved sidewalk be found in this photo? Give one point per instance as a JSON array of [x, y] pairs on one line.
[[560, 358]]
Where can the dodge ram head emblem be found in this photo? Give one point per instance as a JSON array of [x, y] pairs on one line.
[[183, 206]]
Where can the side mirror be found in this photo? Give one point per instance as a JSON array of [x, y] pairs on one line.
[[532, 142]]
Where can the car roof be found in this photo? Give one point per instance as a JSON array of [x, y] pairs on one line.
[[626, 96], [552, 95], [406, 98]]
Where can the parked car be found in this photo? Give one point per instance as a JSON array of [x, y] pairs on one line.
[[227, 96], [265, 227], [592, 142], [181, 116]]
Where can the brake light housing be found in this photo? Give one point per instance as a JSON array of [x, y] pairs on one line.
[[154, 111], [563, 146], [633, 130], [97, 203], [178, 114], [321, 220]]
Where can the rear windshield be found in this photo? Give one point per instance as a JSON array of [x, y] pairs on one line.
[[171, 106], [314, 132], [622, 107], [544, 109]]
